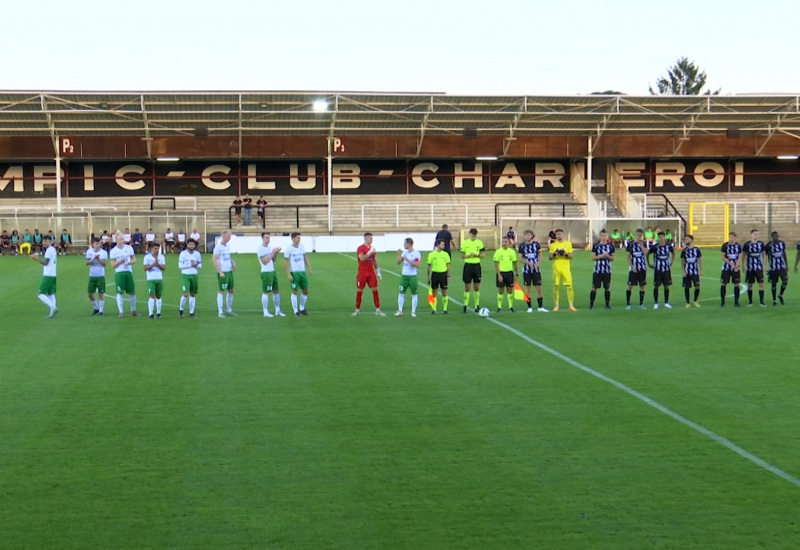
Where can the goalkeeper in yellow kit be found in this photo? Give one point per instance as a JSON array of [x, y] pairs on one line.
[[561, 255]]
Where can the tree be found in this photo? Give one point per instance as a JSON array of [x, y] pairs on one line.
[[683, 78]]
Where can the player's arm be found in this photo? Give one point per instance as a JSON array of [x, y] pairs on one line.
[[400, 258], [429, 271], [117, 262], [552, 253], [448, 268], [89, 260], [568, 255], [265, 259], [796, 260], [497, 269], [700, 265], [131, 259], [650, 252], [38, 259], [611, 255], [183, 261], [146, 265], [630, 261], [162, 267], [683, 264], [275, 252], [516, 268], [308, 265], [286, 266], [522, 259], [215, 263]]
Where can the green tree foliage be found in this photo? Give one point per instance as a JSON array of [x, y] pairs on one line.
[[683, 78]]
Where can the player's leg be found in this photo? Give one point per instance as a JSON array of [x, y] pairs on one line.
[[667, 284], [401, 296], [130, 288], [501, 287], [159, 293], [360, 282], [656, 286], [629, 291], [372, 282], [537, 282], [642, 288], [696, 280], [687, 283], [119, 282], [151, 298], [784, 283], [760, 279], [556, 287], [229, 294], [445, 297], [467, 279], [510, 294], [42, 293], [276, 296], [607, 290], [476, 294], [414, 285]]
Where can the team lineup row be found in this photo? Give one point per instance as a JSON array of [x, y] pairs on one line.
[[507, 259]]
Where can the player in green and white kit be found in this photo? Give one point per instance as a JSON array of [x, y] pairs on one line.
[[154, 264], [122, 260], [410, 259], [189, 261], [96, 259], [47, 286], [296, 262], [225, 267], [269, 280]]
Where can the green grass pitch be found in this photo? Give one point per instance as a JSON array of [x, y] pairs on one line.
[[330, 431]]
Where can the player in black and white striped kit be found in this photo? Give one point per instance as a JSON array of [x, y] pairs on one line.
[[731, 271], [602, 255], [692, 260], [664, 253], [776, 252], [754, 252]]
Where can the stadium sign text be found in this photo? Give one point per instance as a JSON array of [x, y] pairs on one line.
[[448, 176]]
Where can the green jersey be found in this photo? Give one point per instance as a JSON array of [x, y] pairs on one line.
[[438, 260], [505, 258]]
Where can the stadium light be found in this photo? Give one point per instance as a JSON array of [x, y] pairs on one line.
[[787, 157], [320, 105], [486, 157], [167, 159]]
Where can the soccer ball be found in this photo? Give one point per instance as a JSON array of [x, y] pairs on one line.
[[484, 312]]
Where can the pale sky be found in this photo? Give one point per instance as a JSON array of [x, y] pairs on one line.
[[467, 47]]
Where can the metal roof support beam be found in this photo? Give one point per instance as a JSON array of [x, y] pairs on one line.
[[770, 134], [422, 128], [601, 128], [50, 124], [511, 131], [148, 140], [240, 128]]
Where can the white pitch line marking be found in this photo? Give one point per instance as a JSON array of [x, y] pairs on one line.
[[641, 397]]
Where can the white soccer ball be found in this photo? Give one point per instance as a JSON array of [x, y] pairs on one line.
[[484, 312]]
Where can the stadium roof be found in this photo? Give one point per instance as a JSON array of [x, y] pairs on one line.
[[156, 114]]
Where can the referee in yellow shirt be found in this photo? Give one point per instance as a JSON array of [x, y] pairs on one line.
[[472, 250], [505, 263], [561, 255], [438, 275]]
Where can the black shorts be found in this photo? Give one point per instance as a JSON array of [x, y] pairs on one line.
[[508, 279], [776, 274], [532, 278], [731, 276], [170, 243], [472, 273], [753, 276], [601, 280], [439, 280], [690, 280], [662, 278], [637, 279]]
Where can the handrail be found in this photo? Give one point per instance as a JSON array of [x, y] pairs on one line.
[[263, 224], [563, 206], [433, 206], [81, 208], [766, 208]]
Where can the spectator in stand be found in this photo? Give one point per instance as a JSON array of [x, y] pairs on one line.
[[105, 240], [248, 209], [37, 241], [195, 234], [65, 239], [237, 209], [5, 242], [138, 240], [149, 238], [27, 242], [261, 203], [169, 241], [181, 240], [16, 240]]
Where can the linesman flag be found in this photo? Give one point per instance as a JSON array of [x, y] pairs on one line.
[[431, 297], [518, 294]]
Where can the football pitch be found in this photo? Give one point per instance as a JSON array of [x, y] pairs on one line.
[[590, 429]]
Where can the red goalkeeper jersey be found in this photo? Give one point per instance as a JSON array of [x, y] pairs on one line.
[[368, 266]]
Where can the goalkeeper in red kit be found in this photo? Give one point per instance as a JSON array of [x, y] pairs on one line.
[[368, 274]]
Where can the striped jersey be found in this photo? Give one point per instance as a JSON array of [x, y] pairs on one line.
[[692, 257], [663, 256], [776, 252], [732, 253], [753, 252], [530, 252], [604, 265], [636, 253]]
